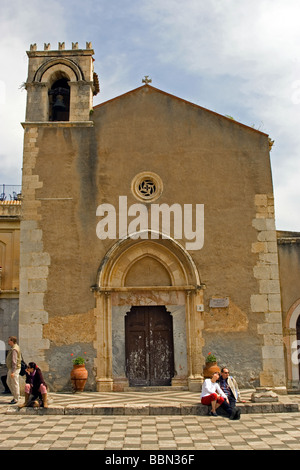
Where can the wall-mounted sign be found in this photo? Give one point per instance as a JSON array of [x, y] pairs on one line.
[[219, 303]]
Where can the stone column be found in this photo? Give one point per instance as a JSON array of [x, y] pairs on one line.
[[180, 345], [118, 347], [81, 100], [37, 102], [103, 342], [195, 326]]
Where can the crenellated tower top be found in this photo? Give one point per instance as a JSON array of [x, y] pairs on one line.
[[61, 47]]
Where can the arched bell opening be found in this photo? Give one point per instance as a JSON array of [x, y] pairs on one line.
[[59, 100]]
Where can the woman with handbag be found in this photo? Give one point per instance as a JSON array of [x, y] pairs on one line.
[[35, 385]]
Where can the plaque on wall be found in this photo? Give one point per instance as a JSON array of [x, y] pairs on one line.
[[219, 303]]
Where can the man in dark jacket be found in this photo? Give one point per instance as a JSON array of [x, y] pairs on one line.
[[229, 386]]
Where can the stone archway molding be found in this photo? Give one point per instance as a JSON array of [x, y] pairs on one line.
[[108, 277], [290, 340], [53, 66], [185, 285]]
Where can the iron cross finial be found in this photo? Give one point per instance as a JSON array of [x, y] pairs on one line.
[[146, 80]]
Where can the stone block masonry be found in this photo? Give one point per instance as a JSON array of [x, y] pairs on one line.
[[267, 302], [34, 262]]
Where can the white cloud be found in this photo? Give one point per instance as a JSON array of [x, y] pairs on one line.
[[255, 45], [20, 26]]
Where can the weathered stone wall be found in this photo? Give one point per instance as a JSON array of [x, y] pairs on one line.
[[9, 318]]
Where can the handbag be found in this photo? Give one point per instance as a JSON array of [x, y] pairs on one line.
[[23, 367]]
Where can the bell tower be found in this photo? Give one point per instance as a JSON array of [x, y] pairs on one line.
[[60, 84], [60, 89]]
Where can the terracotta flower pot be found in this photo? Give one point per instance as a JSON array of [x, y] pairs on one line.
[[79, 376], [209, 369]]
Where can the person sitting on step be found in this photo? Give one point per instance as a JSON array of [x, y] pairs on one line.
[[212, 394], [36, 386], [230, 387]]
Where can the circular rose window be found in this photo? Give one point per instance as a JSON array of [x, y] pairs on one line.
[[147, 186]]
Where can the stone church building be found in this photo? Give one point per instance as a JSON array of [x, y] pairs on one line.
[[147, 238]]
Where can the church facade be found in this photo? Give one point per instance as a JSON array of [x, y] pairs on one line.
[[148, 236]]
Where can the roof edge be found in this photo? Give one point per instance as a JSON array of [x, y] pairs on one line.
[[184, 101]]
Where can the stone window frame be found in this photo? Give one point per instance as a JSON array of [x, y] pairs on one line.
[[138, 180]]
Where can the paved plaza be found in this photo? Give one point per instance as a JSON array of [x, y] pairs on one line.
[[147, 421], [277, 431]]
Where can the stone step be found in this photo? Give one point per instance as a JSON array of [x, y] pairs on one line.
[[147, 409], [155, 389]]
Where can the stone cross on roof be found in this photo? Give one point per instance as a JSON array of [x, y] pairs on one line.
[[146, 80]]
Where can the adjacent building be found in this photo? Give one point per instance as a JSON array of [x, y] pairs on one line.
[[10, 212]]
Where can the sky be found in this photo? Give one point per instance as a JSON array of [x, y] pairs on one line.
[[239, 58]]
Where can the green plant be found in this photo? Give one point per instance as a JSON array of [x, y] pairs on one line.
[[211, 358], [78, 361]]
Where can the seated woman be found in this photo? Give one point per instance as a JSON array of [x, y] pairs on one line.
[[35, 385], [212, 394]]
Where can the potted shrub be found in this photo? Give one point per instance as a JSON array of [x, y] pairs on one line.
[[79, 374], [211, 366]]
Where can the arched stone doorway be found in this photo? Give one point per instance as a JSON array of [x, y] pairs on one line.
[[292, 343], [148, 273]]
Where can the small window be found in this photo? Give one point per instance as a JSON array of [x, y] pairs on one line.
[[59, 101], [147, 186]]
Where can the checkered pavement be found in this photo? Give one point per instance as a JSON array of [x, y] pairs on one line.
[[168, 433]]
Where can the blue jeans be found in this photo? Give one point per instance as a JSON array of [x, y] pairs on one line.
[[229, 407]]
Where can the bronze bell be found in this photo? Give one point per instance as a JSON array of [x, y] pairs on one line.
[[59, 104]]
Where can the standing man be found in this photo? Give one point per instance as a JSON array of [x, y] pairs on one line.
[[13, 363], [230, 387]]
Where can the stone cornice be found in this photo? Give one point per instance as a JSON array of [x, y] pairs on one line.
[[57, 124], [288, 240]]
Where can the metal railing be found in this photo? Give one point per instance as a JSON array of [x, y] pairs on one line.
[[10, 192]]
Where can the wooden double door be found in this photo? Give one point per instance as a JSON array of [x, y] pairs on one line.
[[149, 346]]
